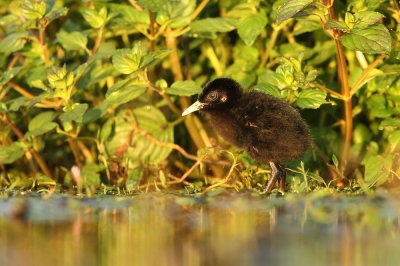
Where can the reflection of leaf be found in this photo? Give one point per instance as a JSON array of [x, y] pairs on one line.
[[141, 149]]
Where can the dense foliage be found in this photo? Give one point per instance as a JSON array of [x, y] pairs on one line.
[[91, 92]]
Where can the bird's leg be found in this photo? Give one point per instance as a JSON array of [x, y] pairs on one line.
[[281, 177], [278, 173]]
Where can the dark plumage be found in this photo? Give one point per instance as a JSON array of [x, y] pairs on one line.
[[267, 128]]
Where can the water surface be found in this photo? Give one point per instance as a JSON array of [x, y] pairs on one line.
[[226, 229]]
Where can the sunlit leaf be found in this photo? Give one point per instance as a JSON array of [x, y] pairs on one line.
[[40, 124], [142, 149], [213, 25], [184, 88], [59, 12], [11, 153], [72, 41], [251, 27], [291, 8], [311, 98], [268, 89], [13, 42], [9, 74], [365, 18], [74, 113], [374, 39]]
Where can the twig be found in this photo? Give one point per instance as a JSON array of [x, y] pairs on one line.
[[98, 41], [334, 93], [176, 181], [38, 158], [29, 95], [359, 82], [198, 9], [271, 43], [345, 90], [42, 41]]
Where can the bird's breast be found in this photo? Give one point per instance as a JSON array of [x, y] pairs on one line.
[[224, 124]]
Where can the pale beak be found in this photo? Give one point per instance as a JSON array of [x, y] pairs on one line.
[[193, 108]]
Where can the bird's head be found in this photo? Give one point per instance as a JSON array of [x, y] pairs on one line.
[[219, 94]]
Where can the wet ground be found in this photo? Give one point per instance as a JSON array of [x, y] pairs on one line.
[[225, 229]]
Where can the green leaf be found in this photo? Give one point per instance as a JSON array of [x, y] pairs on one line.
[[74, 113], [377, 106], [290, 8], [394, 141], [337, 25], [55, 14], [33, 9], [9, 74], [268, 89], [213, 25], [142, 150], [184, 88], [91, 174], [127, 61], [95, 19], [364, 19], [40, 124], [377, 169], [72, 40], [13, 42], [389, 123], [122, 93], [250, 27], [374, 39], [11, 153], [154, 57], [311, 98]]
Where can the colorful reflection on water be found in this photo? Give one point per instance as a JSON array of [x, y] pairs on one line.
[[166, 229]]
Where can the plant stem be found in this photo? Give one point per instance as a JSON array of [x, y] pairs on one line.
[[213, 58], [345, 90], [98, 40], [42, 41], [194, 129], [271, 43], [198, 9], [27, 94], [359, 82], [38, 158], [177, 72]]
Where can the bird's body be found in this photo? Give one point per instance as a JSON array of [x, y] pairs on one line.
[[267, 128]]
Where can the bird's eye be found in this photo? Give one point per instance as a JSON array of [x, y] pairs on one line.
[[212, 96]]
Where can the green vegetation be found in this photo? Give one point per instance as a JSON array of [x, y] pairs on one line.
[[91, 92]]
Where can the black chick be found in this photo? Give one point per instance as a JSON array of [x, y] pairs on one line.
[[267, 128]]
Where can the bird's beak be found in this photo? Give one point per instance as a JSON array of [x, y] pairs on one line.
[[193, 108]]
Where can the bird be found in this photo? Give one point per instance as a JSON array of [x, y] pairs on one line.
[[269, 129]]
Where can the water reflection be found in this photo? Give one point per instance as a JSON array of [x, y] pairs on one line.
[[166, 229]]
